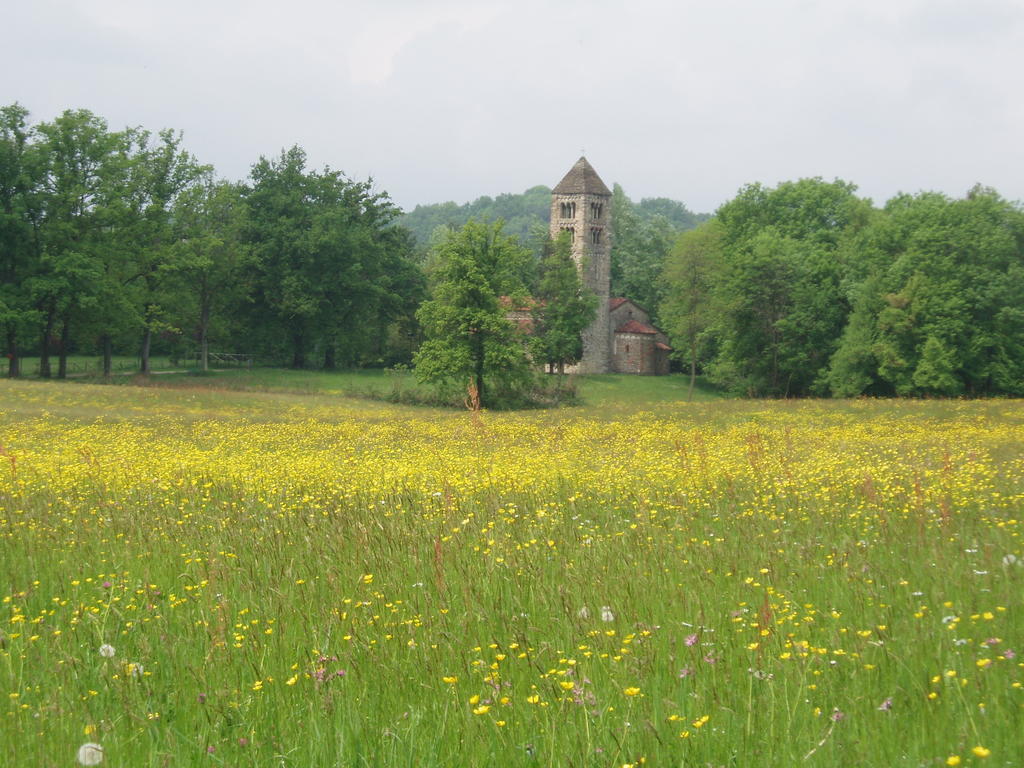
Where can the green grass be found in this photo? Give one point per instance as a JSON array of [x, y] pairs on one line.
[[617, 392], [805, 575], [87, 365]]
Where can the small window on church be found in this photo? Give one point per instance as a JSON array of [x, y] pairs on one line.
[[627, 349], [572, 210], [595, 236]]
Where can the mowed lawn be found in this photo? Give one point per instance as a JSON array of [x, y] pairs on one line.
[[258, 568]]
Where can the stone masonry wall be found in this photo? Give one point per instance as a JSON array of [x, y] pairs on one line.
[[594, 261], [634, 353]]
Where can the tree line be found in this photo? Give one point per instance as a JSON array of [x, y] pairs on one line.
[[807, 289], [122, 241], [644, 232]]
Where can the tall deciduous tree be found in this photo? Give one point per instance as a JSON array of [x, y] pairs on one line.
[[938, 308], [206, 266], [80, 193], [562, 308], [469, 338], [325, 257], [19, 186], [159, 171], [289, 286], [781, 287], [691, 272]]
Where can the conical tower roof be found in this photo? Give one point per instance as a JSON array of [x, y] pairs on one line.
[[581, 179]]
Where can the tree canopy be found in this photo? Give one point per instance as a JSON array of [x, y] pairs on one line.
[[122, 240], [471, 345], [561, 308], [814, 291]]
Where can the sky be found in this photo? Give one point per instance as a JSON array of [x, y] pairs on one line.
[[452, 100]]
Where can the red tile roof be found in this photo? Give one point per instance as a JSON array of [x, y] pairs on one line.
[[659, 345], [526, 304], [636, 327], [615, 303]]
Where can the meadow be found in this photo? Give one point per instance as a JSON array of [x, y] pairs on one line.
[[260, 572]]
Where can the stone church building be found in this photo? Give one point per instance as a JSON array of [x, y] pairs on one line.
[[621, 338]]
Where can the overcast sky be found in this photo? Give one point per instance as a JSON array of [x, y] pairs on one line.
[[452, 100]]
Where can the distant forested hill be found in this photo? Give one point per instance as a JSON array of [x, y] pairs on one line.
[[527, 210]]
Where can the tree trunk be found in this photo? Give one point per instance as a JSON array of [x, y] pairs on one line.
[[478, 367], [330, 362], [298, 351], [693, 369], [44, 344], [108, 354], [147, 338], [13, 363], [65, 335], [204, 336]]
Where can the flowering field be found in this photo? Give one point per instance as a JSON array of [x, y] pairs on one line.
[[195, 578]]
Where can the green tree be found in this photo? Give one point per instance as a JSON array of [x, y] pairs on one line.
[[689, 277], [561, 308], [207, 264], [469, 338], [326, 258], [781, 293], [937, 300], [80, 270], [20, 179], [159, 172], [935, 369], [643, 237], [289, 282]]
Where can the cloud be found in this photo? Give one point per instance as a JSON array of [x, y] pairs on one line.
[[452, 100]]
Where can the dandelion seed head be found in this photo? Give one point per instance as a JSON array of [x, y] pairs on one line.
[[90, 753]]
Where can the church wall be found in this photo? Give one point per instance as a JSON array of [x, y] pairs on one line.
[[628, 311], [634, 353]]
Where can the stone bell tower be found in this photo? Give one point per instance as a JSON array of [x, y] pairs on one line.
[[582, 205]]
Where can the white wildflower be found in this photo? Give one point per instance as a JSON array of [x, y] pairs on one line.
[[606, 613], [583, 613], [90, 754], [107, 651], [1012, 559]]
